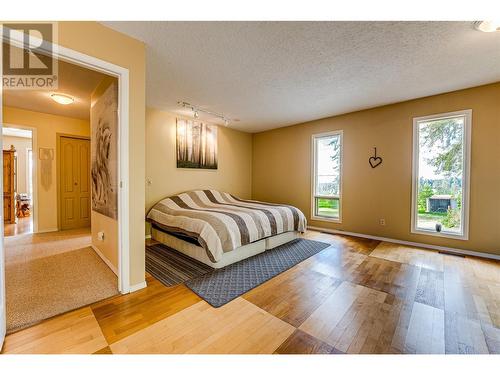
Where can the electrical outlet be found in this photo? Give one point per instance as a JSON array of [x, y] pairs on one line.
[[382, 222]]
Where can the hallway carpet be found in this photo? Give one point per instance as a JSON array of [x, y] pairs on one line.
[[41, 288]]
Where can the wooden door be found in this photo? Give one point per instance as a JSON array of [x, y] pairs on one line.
[[9, 210], [74, 183]]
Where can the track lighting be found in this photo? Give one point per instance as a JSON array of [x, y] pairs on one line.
[[196, 112]]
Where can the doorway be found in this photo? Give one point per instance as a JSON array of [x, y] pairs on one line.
[[18, 195], [123, 235], [64, 265]]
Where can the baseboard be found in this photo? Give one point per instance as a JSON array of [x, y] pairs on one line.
[[105, 260], [410, 243], [47, 230], [136, 287]]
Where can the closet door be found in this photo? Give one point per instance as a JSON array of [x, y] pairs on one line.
[[74, 183]]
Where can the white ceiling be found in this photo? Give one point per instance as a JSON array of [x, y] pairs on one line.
[[74, 81], [274, 74], [15, 132]]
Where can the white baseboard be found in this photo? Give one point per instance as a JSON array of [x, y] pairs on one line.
[[136, 287], [105, 260], [409, 243]]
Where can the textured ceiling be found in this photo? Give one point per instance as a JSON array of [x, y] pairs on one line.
[[273, 74], [74, 81]]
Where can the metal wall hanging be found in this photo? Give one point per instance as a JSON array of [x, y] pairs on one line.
[[375, 160]]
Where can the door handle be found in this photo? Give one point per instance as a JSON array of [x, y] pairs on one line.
[[76, 183]]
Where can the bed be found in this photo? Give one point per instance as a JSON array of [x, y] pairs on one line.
[[217, 228]]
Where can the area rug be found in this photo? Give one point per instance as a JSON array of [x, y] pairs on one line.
[[172, 267], [41, 288], [219, 286]]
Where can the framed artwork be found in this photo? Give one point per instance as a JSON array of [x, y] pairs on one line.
[[104, 153], [196, 145]]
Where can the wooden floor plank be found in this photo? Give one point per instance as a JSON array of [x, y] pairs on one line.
[[492, 337], [76, 332], [345, 318], [426, 330], [430, 288], [301, 343], [105, 350], [335, 262], [289, 295], [237, 327], [398, 279], [469, 292], [123, 315], [414, 256], [463, 335]]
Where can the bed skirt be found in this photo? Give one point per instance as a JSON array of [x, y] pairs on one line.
[[243, 252]]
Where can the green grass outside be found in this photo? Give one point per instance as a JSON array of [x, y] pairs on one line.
[[328, 207]]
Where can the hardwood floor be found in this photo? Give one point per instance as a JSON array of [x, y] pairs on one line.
[[357, 296], [24, 225]]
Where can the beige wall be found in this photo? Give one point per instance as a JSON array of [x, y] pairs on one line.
[[22, 145], [282, 167], [108, 247], [234, 171], [47, 126], [99, 41]]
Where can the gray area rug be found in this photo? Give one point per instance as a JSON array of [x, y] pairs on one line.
[[172, 267], [223, 285]]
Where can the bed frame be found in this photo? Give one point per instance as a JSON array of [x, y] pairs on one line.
[[243, 252]]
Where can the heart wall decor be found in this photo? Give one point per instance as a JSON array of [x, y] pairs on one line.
[[375, 160]]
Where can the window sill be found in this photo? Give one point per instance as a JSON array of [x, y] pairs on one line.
[[463, 237], [328, 219]]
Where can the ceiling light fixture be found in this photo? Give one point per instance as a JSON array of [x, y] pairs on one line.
[[487, 26], [196, 112], [62, 99]]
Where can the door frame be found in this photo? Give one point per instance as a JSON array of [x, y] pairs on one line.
[[122, 74], [58, 171], [34, 175]]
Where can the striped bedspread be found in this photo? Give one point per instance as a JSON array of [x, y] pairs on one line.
[[221, 222]]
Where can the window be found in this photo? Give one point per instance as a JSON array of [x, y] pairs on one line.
[[327, 176], [441, 163]]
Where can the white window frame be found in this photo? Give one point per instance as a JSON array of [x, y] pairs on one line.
[[314, 163], [466, 174], [29, 176]]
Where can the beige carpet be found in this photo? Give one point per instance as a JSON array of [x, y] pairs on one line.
[[48, 286], [26, 247]]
